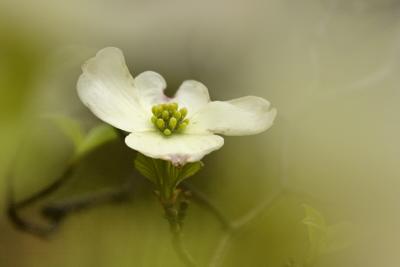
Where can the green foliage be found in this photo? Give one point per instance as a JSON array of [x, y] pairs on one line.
[[324, 238], [147, 167], [95, 138], [163, 173], [84, 143], [69, 127]]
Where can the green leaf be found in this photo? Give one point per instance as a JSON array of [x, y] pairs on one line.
[[316, 226], [189, 170], [83, 144], [313, 217], [164, 173], [325, 238], [69, 127], [95, 138], [146, 167]]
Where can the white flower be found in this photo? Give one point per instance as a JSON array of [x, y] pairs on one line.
[[107, 88]]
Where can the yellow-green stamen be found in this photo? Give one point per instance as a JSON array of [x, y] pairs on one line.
[[168, 118]]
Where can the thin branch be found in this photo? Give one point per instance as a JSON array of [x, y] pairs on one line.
[[13, 207], [256, 211], [57, 211], [29, 227], [203, 200], [222, 249], [45, 191], [181, 250], [60, 209], [225, 242]]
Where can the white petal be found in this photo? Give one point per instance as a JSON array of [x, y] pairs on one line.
[[178, 148], [106, 88], [150, 88], [193, 95], [241, 116]]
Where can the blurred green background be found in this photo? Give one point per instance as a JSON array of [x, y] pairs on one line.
[[330, 67]]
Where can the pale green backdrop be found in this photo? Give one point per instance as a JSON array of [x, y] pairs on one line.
[[330, 67]]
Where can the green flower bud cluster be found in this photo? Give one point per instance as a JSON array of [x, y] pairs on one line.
[[168, 118]]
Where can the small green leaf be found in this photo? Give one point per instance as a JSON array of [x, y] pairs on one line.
[[95, 138], [146, 167], [313, 217], [325, 238], [70, 128], [83, 144], [176, 174], [190, 169], [164, 173], [316, 226]]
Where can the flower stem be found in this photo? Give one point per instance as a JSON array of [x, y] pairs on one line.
[[181, 250], [175, 210]]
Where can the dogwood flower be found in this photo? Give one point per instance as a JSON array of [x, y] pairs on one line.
[[180, 129]]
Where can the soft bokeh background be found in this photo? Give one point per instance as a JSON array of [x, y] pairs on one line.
[[330, 67]]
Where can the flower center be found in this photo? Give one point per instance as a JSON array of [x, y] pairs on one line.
[[168, 118]]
